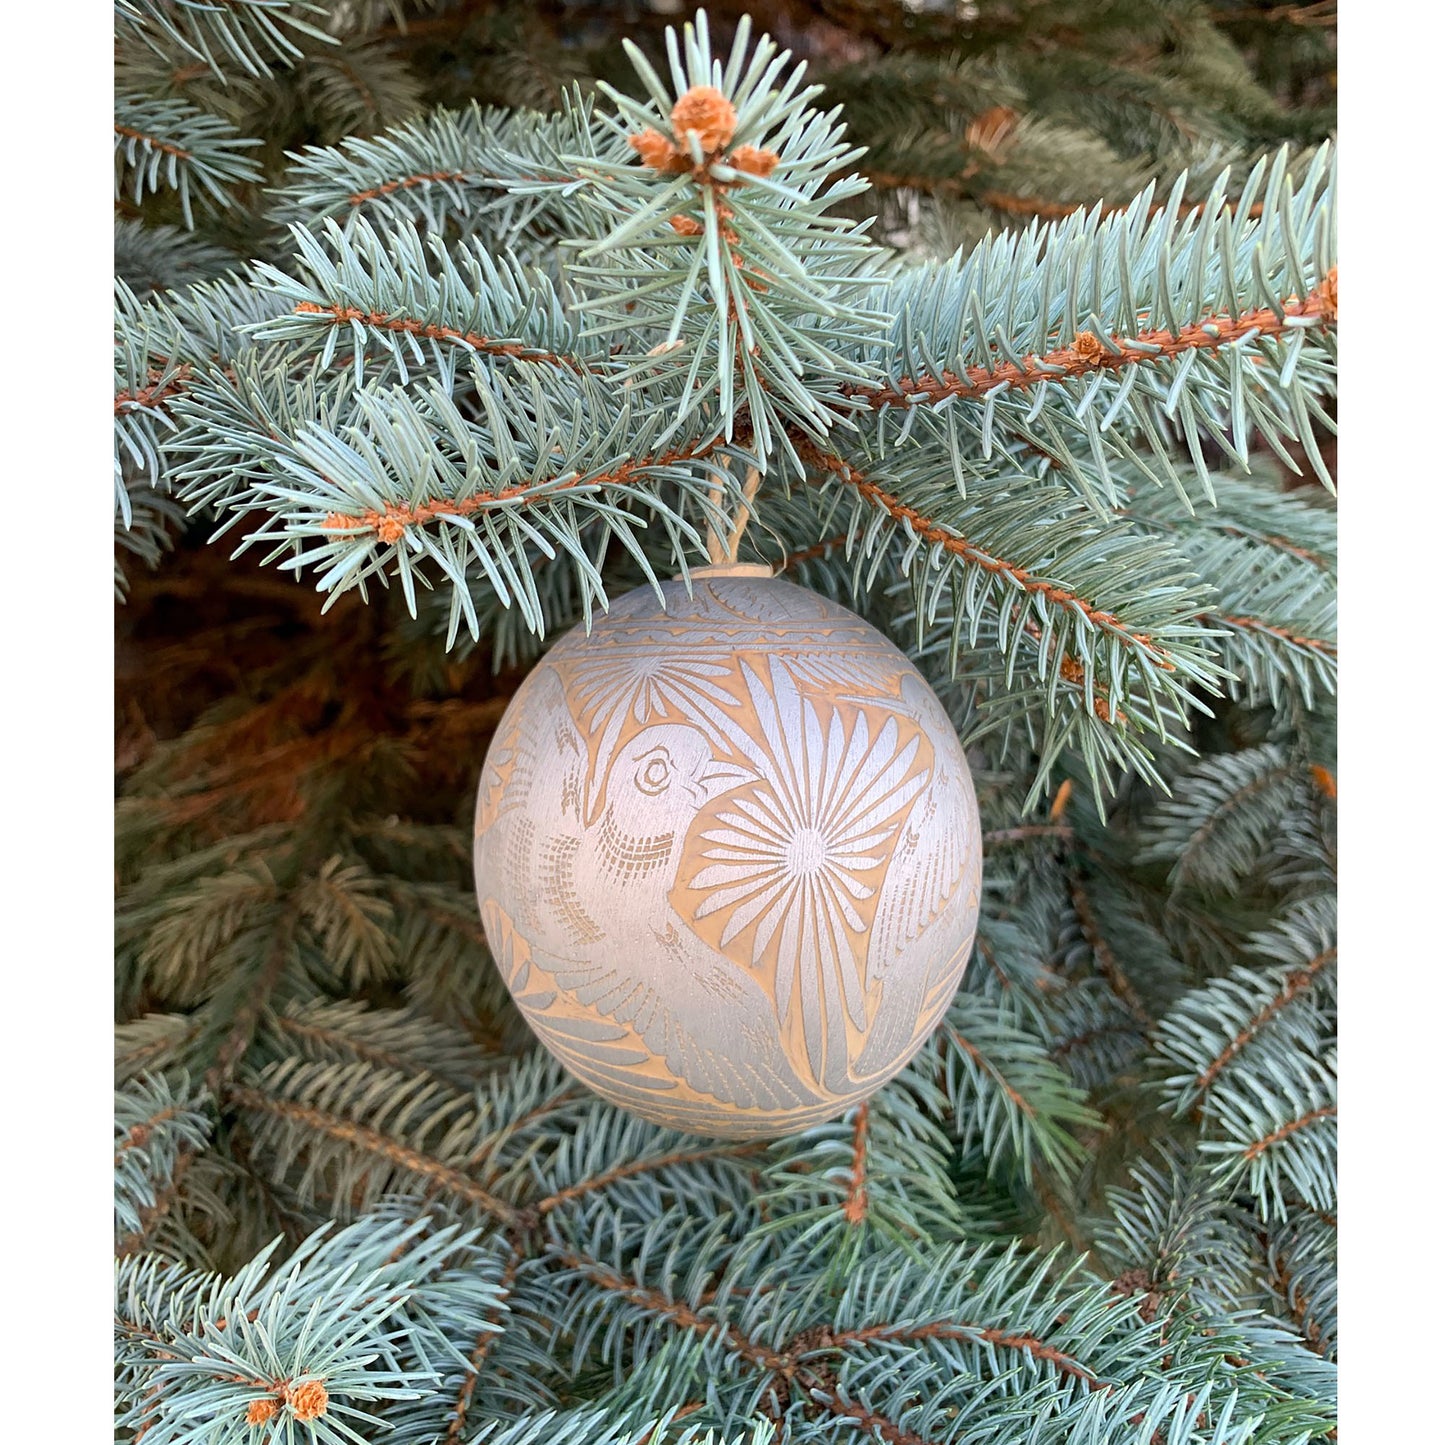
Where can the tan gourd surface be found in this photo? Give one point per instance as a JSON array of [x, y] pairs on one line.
[[728, 855]]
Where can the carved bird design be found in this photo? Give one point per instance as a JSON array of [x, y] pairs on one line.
[[592, 898]]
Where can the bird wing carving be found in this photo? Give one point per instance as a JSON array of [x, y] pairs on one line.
[[924, 880], [533, 771], [684, 1023], [926, 872]]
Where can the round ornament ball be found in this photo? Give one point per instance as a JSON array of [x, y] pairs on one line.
[[727, 855]]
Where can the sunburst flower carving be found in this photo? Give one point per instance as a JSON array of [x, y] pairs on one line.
[[645, 684], [798, 856]]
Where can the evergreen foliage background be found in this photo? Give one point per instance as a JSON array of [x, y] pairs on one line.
[[372, 332]]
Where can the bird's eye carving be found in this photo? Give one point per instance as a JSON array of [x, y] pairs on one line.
[[654, 771]]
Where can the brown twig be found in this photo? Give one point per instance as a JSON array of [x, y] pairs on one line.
[[382, 1146], [430, 331], [1230, 804], [1055, 1209], [1108, 961], [987, 1065], [880, 1425], [382, 1058], [157, 392], [931, 531], [1263, 539], [1282, 543], [153, 1214], [1295, 983], [390, 523], [855, 1205], [1089, 353], [486, 1337], [1321, 14], [987, 1334], [808, 554], [1285, 1130], [673, 1310], [986, 953], [165, 147], [1258, 624], [641, 1166], [1282, 1281], [138, 1135], [406, 183], [243, 1029]]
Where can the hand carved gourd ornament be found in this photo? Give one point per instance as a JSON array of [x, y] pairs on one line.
[[728, 855]]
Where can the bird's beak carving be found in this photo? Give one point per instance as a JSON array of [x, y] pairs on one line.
[[712, 777]]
